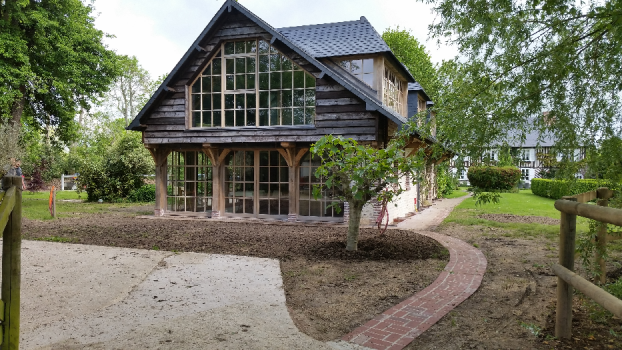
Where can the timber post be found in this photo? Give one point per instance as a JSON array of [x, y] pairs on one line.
[[567, 234], [160, 159], [11, 267], [217, 157], [292, 157]]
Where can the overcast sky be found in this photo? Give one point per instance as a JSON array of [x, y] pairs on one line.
[[159, 32]]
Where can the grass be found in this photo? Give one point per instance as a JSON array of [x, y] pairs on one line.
[[35, 205], [457, 194], [524, 203]]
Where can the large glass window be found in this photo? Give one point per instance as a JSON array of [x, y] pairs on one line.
[[362, 69], [273, 184], [250, 83], [392, 91], [189, 182], [307, 205], [240, 182]]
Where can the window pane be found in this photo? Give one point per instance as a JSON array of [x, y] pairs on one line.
[[250, 65], [264, 63], [263, 46], [309, 81], [287, 98], [264, 207], [299, 116], [357, 66], [207, 102], [229, 101], [230, 82], [310, 97], [275, 100], [196, 102], [196, 88], [251, 117], [239, 101], [299, 80], [368, 65], [275, 80], [250, 101], [240, 65], [287, 64], [208, 70], [207, 119], [284, 177], [230, 66], [217, 65], [196, 119], [309, 116], [299, 98], [368, 79], [274, 117], [229, 48], [229, 118], [216, 84], [284, 207], [287, 116], [207, 84], [239, 47], [263, 117], [250, 81], [287, 80], [239, 118], [251, 46], [264, 99], [217, 103], [249, 174], [217, 119], [275, 62], [264, 81], [240, 82], [274, 160]]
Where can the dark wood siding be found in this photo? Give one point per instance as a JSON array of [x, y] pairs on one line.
[[338, 111]]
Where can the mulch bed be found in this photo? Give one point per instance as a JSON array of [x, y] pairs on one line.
[[329, 291]]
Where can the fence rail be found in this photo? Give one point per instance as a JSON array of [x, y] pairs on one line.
[[567, 279], [11, 225]]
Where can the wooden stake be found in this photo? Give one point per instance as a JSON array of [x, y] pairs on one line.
[[568, 231], [11, 267]]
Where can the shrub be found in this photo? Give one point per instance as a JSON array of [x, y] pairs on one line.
[[445, 180], [119, 173], [490, 178], [557, 189], [146, 193]]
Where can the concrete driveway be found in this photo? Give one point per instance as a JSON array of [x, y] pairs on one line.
[[89, 297]]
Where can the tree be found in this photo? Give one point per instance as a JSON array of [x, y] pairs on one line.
[[9, 144], [413, 55], [52, 62], [131, 89], [358, 173], [522, 59]]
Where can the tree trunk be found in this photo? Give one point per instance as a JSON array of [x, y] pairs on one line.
[[356, 209], [18, 107]]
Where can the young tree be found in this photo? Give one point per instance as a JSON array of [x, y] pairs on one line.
[[131, 89], [524, 58], [414, 56], [358, 173], [52, 62]]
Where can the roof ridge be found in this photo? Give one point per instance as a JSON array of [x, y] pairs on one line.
[[321, 24]]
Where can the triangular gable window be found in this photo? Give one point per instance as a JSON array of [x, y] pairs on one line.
[[250, 83]]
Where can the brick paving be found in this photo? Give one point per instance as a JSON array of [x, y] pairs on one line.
[[401, 324]]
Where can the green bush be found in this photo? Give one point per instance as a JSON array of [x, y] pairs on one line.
[[445, 180], [557, 189], [143, 194], [119, 173], [492, 178]]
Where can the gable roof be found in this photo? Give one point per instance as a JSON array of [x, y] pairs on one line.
[[357, 87], [417, 87]]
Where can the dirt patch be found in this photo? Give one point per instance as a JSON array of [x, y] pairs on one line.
[[509, 218], [329, 291], [514, 305]]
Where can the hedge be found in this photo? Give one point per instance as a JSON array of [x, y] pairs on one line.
[[556, 189], [494, 178]]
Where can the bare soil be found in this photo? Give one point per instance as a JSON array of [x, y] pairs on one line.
[[509, 218], [514, 307], [329, 291]]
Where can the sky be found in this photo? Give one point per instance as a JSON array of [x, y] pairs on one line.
[[159, 32]]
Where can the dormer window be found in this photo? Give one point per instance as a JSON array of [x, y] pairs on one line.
[[250, 83], [393, 91], [362, 69]]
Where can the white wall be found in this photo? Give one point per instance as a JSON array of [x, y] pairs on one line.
[[401, 206]]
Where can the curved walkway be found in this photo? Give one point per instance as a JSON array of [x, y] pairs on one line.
[[401, 324]]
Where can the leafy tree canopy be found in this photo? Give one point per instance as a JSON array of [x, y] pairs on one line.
[[52, 62], [530, 65], [414, 56]]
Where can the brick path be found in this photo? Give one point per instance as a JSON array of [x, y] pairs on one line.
[[401, 324]]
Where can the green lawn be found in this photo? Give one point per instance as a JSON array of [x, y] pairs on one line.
[[524, 203], [35, 206], [457, 193]]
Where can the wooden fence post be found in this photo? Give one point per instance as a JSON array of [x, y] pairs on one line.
[[601, 239], [11, 267], [567, 235]]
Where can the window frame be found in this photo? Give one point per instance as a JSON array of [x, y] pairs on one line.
[[308, 110]]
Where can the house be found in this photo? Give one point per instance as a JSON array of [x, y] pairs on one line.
[[534, 153], [231, 126]]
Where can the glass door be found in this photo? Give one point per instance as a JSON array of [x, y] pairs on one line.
[[273, 194], [240, 183]]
